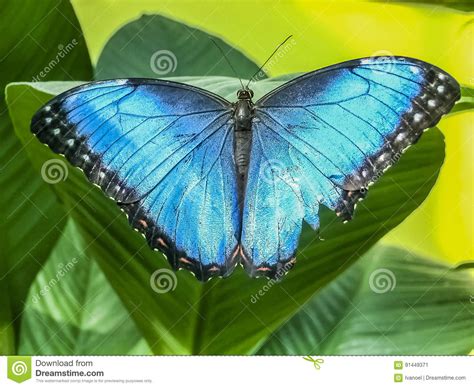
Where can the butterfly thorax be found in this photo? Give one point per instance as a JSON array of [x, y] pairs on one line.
[[243, 116]]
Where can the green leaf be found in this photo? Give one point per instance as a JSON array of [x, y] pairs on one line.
[[155, 46], [390, 302], [466, 102], [466, 6], [71, 308], [44, 42], [222, 315]]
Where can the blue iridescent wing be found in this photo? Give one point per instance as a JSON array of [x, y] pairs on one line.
[[163, 151], [322, 138]]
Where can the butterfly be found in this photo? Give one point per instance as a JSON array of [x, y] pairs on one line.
[[212, 183]]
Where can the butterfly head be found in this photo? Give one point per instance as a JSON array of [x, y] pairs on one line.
[[245, 94]]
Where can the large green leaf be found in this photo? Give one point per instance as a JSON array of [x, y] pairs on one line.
[[222, 316], [156, 46], [466, 6], [39, 40], [72, 309], [467, 100], [389, 302]]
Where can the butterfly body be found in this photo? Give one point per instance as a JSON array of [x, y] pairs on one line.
[[212, 183], [243, 115]]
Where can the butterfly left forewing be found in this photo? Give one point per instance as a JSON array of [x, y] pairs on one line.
[[163, 152]]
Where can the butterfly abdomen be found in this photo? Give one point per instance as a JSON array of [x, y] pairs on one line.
[[243, 139]]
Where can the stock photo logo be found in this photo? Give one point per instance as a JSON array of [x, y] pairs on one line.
[[163, 280], [163, 62], [274, 60], [54, 171], [19, 368], [382, 280], [63, 51]]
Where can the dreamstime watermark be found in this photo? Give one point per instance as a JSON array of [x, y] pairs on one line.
[[19, 368], [63, 51], [163, 280], [62, 271], [271, 282], [384, 58], [283, 50], [163, 62], [54, 171], [382, 280], [379, 172], [274, 169]]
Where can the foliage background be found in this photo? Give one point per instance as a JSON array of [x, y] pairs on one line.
[[106, 298]]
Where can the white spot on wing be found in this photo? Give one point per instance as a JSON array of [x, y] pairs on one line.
[[417, 117]]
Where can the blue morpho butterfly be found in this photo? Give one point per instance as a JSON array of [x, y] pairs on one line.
[[194, 171]]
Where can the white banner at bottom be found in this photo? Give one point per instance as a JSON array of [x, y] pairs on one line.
[[237, 371]]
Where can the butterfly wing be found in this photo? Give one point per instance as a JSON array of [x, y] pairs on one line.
[[163, 151], [322, 138]]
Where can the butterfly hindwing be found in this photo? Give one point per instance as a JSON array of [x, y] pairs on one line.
[[322, 138], [163, 151]]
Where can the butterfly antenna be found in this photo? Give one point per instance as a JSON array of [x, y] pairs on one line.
[[271, 55], [227, 60]]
